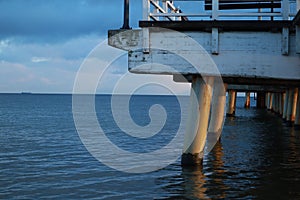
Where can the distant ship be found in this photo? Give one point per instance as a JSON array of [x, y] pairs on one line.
[[26, 93]]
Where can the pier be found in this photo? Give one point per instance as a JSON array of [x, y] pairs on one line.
[[254, 45]]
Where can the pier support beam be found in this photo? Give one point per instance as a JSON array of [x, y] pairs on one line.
[[294, 105], [231, 103], [260, 100], [197, 122], [285, 104], [267, 100], [280, 103], [276, 104], [289, 105], [217, 113], [247, 100], [270, 106]]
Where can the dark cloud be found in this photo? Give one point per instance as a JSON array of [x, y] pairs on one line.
[[60, 19]]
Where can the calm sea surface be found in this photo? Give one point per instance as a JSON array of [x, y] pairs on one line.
[[42, 156]]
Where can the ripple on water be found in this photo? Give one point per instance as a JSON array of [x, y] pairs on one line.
[[41, 156]]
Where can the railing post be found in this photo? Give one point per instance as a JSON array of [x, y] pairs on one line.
[[165, 6], [126, 15], [285, 30], [215, 31], [298, 30], [145, 31], [146, 10], [215, 9]]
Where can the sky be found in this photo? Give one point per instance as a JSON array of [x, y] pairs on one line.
[[44, 42]]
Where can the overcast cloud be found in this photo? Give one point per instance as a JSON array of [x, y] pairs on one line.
[[44, 42]]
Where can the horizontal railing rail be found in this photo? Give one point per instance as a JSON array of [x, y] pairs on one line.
[[160, 10]]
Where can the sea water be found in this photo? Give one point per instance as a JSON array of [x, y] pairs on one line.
[[42, 156]]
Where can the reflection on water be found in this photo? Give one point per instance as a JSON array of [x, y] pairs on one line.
[[258, 157], [194, 183], [41, 156], [217, 176]]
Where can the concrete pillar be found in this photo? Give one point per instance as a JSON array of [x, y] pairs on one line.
[[247, 100], [260, 100], [197, 122], [231, 103], [297, 117], [216, 114], [285, 104], [271, 101], [276, 103], [280, 103], [282, 95], [294, 105], [268, 100], [290, 105]]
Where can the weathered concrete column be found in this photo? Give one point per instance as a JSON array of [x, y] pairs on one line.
[[276, 103], [267, 100], [290, 105], [285, 104], [217, 113], [197, 122], [280, 103], [297, 117], [294, 105], [231, 103], [247, 100], [260, 100], [270, 107]]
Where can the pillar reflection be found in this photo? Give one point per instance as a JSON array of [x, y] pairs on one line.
[[197, 182]]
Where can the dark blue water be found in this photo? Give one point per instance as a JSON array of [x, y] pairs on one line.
[[41, 155]]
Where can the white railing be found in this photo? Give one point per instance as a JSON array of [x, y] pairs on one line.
[[159, 10]]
